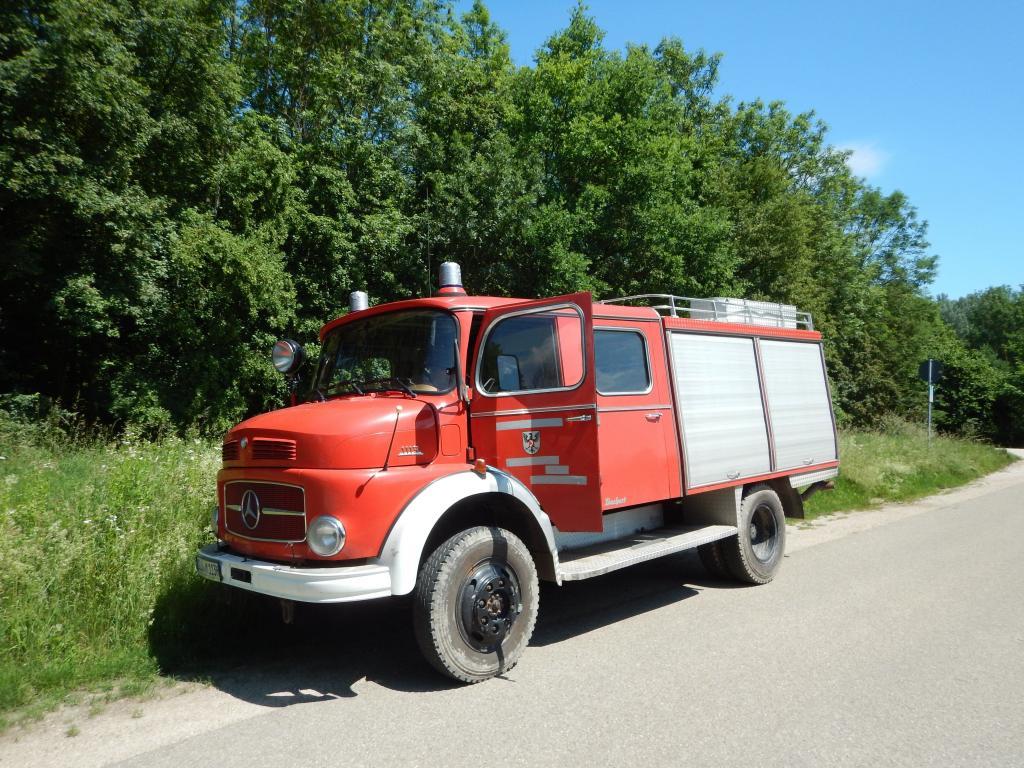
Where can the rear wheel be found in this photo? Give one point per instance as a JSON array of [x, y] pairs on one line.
[[475, 604], [755, 553], [713, 559]]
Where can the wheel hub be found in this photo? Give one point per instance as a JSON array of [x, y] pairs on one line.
[[489, 605], [763, 533]]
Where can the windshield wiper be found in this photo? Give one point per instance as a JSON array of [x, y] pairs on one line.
[[338, 385], [388, 382], [362, 386]]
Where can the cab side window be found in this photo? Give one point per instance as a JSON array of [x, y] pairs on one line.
[[621, 360], [527, 353]]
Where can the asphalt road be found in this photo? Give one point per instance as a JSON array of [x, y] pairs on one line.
[[892, 638]]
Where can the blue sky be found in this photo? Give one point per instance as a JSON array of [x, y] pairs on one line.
[[930, 95]]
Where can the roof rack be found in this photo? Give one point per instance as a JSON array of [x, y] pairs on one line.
[[721, 309]]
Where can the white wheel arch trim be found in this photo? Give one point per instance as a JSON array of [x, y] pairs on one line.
[[404, 545]]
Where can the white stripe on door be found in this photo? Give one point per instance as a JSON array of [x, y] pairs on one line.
[[531, 461], [558, 480]]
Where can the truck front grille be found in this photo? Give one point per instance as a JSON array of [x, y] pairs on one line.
[[265, 511]]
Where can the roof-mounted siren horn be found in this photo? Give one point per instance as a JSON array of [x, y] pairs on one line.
[[451, 280], [358, 301]]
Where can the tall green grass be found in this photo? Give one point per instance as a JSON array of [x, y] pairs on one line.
[[897, 463], [91, 536], [97, 539]]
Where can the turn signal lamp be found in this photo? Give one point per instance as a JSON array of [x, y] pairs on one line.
[[480, 467]]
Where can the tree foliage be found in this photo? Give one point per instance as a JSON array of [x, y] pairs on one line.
[[182, 181], [986, 388]]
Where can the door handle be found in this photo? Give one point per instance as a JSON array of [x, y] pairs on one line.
[[653, 417], [584, 417]]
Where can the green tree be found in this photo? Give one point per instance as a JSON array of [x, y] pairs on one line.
[[619, 138], [181, 181], [340, 76], [83, 242], [474, 188], [115, 119], [990, 324]]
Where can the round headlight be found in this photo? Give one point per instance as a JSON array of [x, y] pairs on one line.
[[326, 536], [288, 356]]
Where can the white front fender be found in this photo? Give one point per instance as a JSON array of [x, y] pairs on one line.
[[404, 546]]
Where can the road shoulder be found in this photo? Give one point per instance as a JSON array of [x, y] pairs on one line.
[[802, 534]]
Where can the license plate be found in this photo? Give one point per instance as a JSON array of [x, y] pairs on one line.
[[209, 569]]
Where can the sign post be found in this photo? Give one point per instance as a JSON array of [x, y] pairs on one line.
[[930, 371]]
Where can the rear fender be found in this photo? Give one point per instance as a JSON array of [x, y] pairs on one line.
[[403, 548]]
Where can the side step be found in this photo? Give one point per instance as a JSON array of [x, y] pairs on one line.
[[598, 559]]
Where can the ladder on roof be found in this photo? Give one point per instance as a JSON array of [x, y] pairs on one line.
[[721, 309]]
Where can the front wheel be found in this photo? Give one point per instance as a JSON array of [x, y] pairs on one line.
[[475, 604], [755, 554]]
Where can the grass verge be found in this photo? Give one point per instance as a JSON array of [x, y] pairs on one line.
[[899, 464], [97, 588], [91, 538]]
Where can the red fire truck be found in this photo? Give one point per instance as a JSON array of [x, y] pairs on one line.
[[459, 448]]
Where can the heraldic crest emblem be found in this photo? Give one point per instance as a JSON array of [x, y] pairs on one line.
[[531, 441]]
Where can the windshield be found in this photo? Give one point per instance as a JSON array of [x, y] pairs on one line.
[[411, 351]]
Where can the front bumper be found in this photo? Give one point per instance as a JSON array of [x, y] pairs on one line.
[[329, 584]]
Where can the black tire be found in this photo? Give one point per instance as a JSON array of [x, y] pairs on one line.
[[713, 560], [475, 604], [755, 554]]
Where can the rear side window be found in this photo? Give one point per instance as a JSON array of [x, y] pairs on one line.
[[621, 360], [534, 352]]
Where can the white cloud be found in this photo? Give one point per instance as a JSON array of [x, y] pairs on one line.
[[866, 159]]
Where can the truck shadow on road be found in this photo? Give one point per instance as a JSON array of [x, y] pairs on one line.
[[576, 608], [237, 642]]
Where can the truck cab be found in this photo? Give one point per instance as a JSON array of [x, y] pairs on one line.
[[461, 448]]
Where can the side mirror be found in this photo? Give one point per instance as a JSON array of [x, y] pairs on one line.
[[508, 373], [288, 356]]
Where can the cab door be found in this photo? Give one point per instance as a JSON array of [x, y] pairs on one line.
[[533, 412]]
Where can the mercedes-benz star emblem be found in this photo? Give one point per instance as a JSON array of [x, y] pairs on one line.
[[251, 510]]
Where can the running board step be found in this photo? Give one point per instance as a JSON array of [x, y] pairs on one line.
[[598, 559]]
